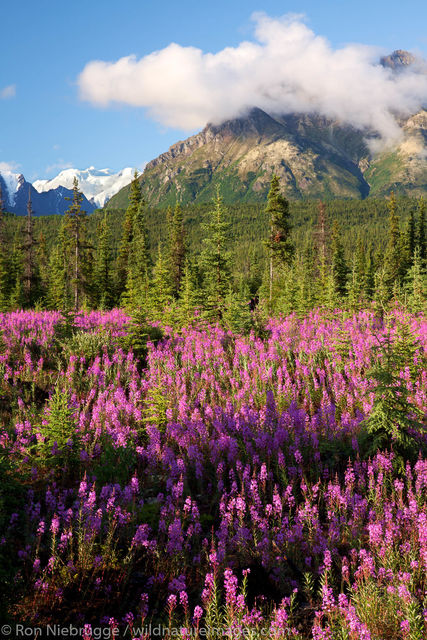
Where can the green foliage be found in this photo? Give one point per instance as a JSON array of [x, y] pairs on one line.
[[237, 315], [177, 249], [160, 292], [215, 261], [127, 234], [58, 430], [103, 276], [12, 500], [77, 261], [393, 416], [87, 344], [139, 332]]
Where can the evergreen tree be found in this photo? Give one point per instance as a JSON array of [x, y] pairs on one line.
[[127, 233], [410, 241], [137, 283], [189, 295], [279, 245], [31, 281], [237, 315], [177, 249], [16, 266], [59, 286], [75, 224], [306, 287], [393, 257], [322, 244], [103, 283], [369, 279], [416, 285], [160, 292], [354, 287], [381, 293], [42, 258], [339, 266], [421, 231], [215, 261], [4, 270]]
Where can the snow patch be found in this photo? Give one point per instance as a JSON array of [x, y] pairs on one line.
[[98, 185], [13, 182]]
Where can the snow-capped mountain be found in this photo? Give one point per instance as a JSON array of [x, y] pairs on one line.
[[12, 182], [15, 191], [98, 185]]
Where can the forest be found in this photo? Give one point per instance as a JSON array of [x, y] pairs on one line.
[[343, 253], [213, 421]]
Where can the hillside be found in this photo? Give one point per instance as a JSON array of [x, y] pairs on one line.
[[314, 157], [403, 168]]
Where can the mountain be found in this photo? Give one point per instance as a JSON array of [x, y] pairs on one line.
[[98, 185], [314, 156], [402, 168], [15, 192]]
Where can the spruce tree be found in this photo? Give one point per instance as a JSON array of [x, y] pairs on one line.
[[188, 300], [127, 233], [138, 276], [322, 244], [59, 294], [421, 231], [75, 225], [30, 285], [160, 292], [339, 266], [416, 285], [279, 244], [103, 283], [16, 266], [215, 261], [305, 297], [4, 270], [177, 249], [237, 315], [42, 258], [369, 279], [354, 287], [410, 241], [393, 256]]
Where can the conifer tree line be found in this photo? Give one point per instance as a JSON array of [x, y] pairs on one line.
[[172, 283]]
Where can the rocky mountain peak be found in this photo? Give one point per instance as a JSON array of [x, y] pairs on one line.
[[398, 60]]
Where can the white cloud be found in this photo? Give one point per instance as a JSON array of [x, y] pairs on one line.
[[8, 92], [59, 165], [287, 69], [9, 167]]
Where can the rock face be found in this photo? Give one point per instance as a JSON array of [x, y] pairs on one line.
[[15, 191], [314, 157], [398, 59], [403, 168]]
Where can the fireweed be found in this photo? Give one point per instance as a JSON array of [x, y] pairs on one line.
[[219, 489]]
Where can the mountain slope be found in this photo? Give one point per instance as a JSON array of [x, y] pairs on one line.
[[403, 168], [313, 156]]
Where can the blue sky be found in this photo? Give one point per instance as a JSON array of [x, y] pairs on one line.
[[45, 46]]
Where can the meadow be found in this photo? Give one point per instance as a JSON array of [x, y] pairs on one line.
[[263, 485]]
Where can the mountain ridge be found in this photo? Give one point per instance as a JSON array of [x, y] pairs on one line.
[[314, 156], [16, 191]]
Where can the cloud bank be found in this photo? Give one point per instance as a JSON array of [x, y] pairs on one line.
[[288, 68]]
